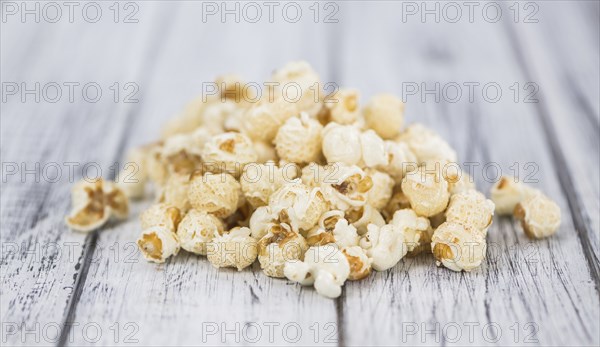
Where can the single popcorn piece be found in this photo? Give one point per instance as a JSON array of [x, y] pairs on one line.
[[458, 181], [197, 229], [426, 191], [325, 267], [373, 151], [186, 121], [360, 263], [458, 247], [260, 181], [218, 194], [299, 74], [507, 193], [346, 187], [427, 145], [94, 203], [539, 216], [385, 114], [340, 107], [314, 175], [413, 227], [381, 192], [262, 121], [342, 234], [398, 201], [157, 243], [361, 217], [279, 245], [298, 205], [260, 221], [235, 248], [163, 215], [134, 176], [400, 160], [384, 245], [158, 171], [228, 152], [232, 88], [181, 154], [342, 144], [175, 192], [265, 152], [299, 140], [471, 208]]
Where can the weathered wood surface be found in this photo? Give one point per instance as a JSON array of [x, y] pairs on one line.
[[98, 290]]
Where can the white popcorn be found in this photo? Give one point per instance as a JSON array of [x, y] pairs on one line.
[[218, 194], [228, 152], [507, 193], [471, 208], [381, 192], [298, 205], [181, 154], [398, 201], [132, 179], [427, 192], [299, 140], [361, 217], [158, 171], [400, 160], [186, 121], [342, 144], [235, 248], [262, 218], [385, 114], [279, 245], [94, 203], [158, 243], [340, 107], [175, 192], [384, 245], [262, 121], [326, 267], [265, 152], [413, 227], [360, 263], [260, 181], [428, 146], [346, 187], [373, 152], [458, 247], [314, 175], [299, 74], [162, 215], [458, 181], [539, 216], [197, 229], [342, 234], [215, 114]]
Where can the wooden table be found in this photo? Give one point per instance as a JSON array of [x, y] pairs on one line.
[[62, 287]]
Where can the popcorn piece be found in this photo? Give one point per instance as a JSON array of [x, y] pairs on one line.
[[157, 168], [298, 205], [413, 227], [265, 152], [279, 245], [360, 264], [175, 192], [381, 192], [398, 201], [262, 121], [385, 114], [94, 202], [186, 121], [346, 187], [361, 217], [181, 154], [373, 152], [299, 73], [342, 234], [218, 194], [340, 107], [427, 145], [162, 215], [426, 191], [229, 152], [197, 229], [261, 220], [342, 144], [458, 247], [299, 140], [400, 160], [507, 193], [157, 243], [314, 175], [132, 180], [539, 216], [233, 88], [324, 266], [235, 248], [384, 245], [471, 208], [458, 181], [260, 181]]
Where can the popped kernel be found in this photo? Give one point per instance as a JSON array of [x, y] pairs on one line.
[[471, 208], [260, 181], [385, 114], [458, 181], [94, 203], [384, 245], [162, 215], [218, 194], [299, 73], [400, 160], [458, 247], [181, 154], [398, 201], [340, 107], [426, 191], [413, 228], [361, 217], [341, 144], [260, 221], [157, 169], [539, 216], [265, 152], [314, 175], [507, 193], [157, 243], [427, 145], [132, 180], [373, 152], [279, 245], [197, 229], [235, 248], [229, 152], [175, 192], [298, 140], [262, 121], [342, 234], [298, 205], [360, 263], [381, 192], [346, 187]]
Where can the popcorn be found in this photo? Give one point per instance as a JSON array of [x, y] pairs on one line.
[[471, 208], [157, 243], [175, 192], [265, 152], [325, 267], [507, 193], [260, 181], [458, 181], [428, 146], [360, 263], [197, 229], [361, 217], [342, 234], [340, 107], [299, 140], [458, 247], [539, 216], [262, 121], [381, 192], [400, 160], [413, 228], [132, 180], [298, 205], [426, 191], [235, 248], [279, 245], [261, 220], [229, 152], [299, 84], [373, 152], [398, 201], [218, 194], [341, 144], [181, 154], [384, 245], [314, 175], [94, 203], [346, 187], [162, 215], [385, 114]]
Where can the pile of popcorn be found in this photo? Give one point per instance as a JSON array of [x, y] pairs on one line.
[[319, 190]]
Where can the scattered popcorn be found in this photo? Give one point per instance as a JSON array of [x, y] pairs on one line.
[[157, 243], [471, 208], [458, 247], [426, 191], [413, 227], [360, 263], [299, 140], [385, 114], [539, 216], [507, 193], [279, 245], [162, 215], [197, 229], [235, 248], [384, 245], [218, 194]]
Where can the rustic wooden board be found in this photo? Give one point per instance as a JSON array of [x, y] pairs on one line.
[[102, 292]]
